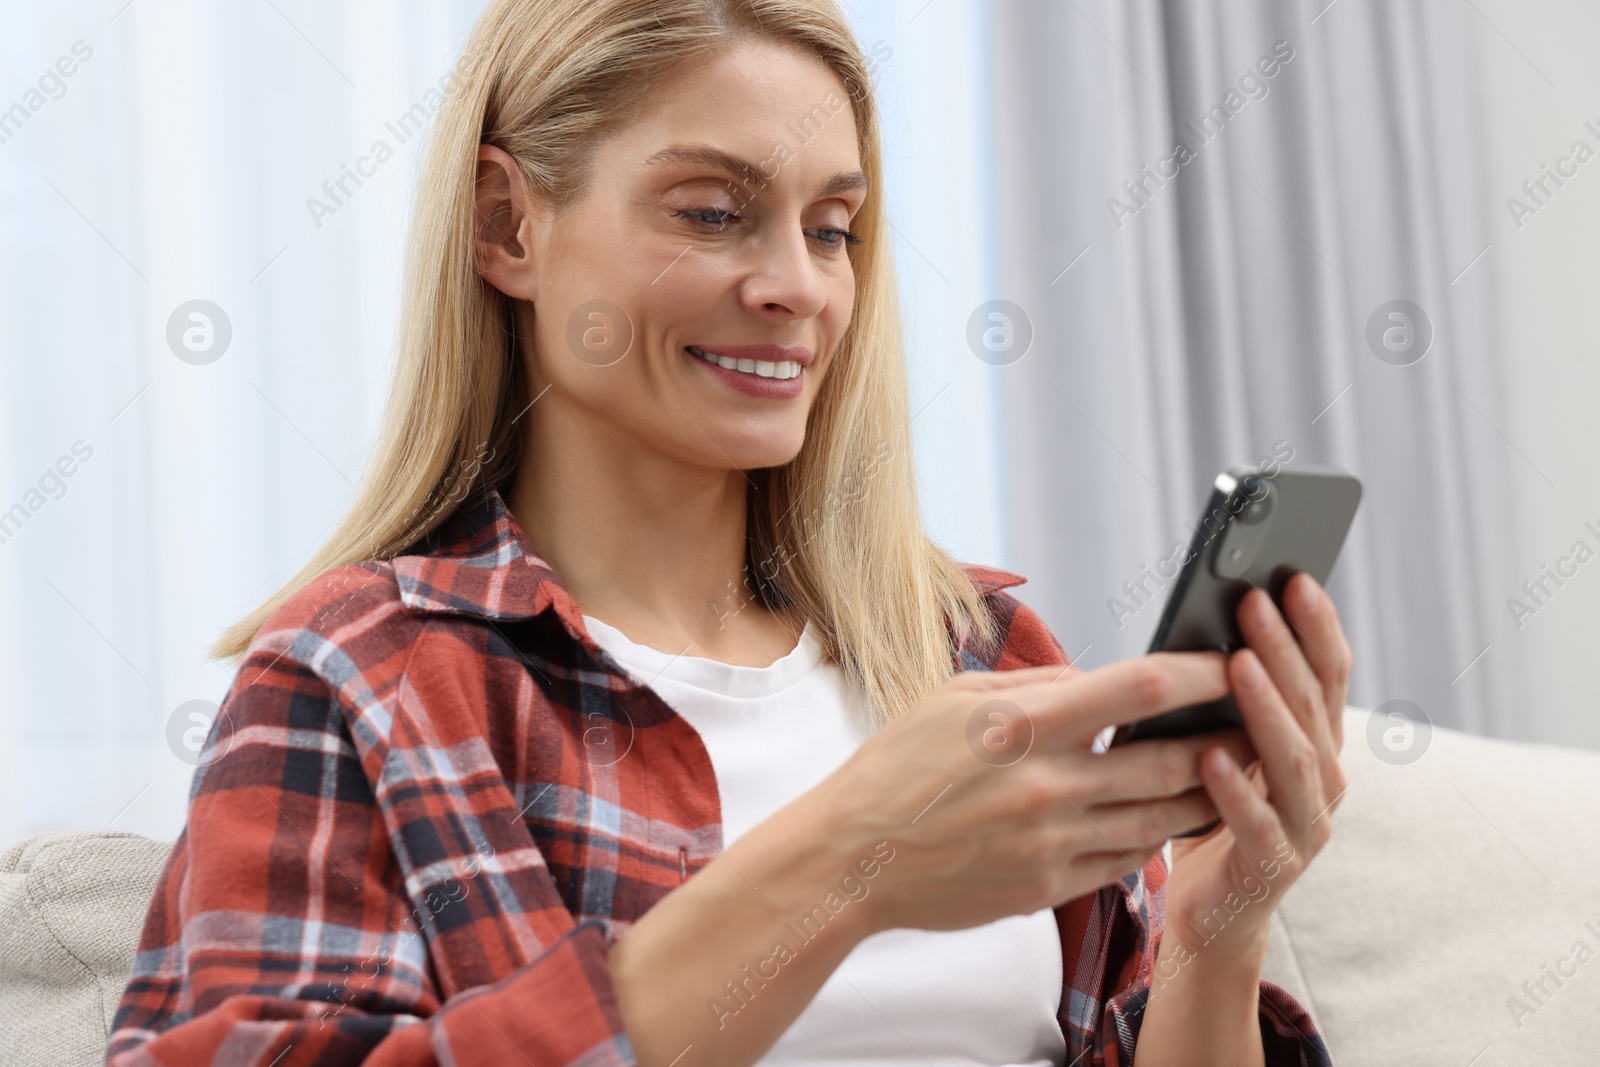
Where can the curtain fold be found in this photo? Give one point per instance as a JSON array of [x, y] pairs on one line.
[[1253, 182]]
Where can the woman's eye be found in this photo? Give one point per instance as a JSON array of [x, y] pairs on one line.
[[836, 238], [717, 219], [713, 217]]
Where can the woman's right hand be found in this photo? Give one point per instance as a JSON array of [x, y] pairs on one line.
[[994, 802]]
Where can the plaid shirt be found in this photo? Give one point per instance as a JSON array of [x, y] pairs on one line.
[[410, 844]]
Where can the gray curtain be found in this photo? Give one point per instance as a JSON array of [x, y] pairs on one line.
[[1216, 307]]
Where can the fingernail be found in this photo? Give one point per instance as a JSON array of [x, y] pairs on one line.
[[1310, 594], [1266, 613], [1250, 674], [1221, 765]]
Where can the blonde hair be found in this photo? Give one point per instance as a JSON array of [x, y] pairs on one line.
[[835, 534]]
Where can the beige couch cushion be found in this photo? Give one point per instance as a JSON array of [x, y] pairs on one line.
[[1449, 882], [71, 908]]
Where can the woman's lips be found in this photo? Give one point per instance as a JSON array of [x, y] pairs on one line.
[[771, 371]]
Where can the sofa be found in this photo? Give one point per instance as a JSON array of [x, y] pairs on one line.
[[1453, 919]]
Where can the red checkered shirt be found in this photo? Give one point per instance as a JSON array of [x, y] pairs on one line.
[[410, 843]]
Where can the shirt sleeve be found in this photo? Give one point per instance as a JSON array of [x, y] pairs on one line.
[[281, 933], [1124, 923]]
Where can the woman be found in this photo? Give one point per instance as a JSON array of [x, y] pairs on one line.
[[637, 571]]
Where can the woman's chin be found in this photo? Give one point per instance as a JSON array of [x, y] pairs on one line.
[[741, 453]]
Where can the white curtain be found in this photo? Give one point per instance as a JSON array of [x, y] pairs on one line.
[[191, 157], [1214, 309], [179, 162], [203, 152]]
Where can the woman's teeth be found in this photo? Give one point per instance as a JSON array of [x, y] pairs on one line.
[[787, 368]]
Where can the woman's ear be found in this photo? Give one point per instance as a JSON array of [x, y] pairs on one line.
[[503, 225]]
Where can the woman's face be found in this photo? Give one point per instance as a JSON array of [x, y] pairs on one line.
[[714, 232]]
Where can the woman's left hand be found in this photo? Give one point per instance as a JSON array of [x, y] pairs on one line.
[[1277, 816]]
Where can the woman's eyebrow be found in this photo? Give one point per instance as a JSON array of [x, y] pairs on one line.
[[843, 182]]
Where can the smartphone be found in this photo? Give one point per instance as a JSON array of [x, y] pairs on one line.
[[1261, 526]]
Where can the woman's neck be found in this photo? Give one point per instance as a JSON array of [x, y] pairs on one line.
[[649, 545]]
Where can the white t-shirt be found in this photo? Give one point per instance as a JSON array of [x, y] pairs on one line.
[[985, 995]]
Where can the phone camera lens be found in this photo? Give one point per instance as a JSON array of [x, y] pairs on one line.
[[1259, 501]]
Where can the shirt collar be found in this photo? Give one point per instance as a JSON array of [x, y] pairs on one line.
[[479, 562]]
